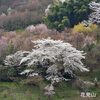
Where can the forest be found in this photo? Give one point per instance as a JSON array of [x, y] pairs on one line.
[[49, 49]]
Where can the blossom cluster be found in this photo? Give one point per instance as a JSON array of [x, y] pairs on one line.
[[49, 57]]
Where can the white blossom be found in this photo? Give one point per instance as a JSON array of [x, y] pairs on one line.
[[55, 55], [57, 2], [14, 59], [3, 15], [62, 1], [52, 69], [27, 71], [95, 15], [47, 10], [49, 87], [33, 74], [49, 90], [30, 28], [55, 78], [50, 57]]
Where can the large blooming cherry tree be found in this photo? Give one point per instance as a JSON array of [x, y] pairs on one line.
[[52, 59]]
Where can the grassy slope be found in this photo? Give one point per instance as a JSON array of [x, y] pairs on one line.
[[13, 91]]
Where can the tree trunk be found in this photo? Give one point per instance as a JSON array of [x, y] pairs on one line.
[[49, 97]]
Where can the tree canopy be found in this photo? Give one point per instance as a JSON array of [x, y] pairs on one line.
[[67, 13], [51, 58]]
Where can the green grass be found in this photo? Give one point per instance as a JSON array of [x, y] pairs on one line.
[[90, 76], [64, 91], [13, 91]]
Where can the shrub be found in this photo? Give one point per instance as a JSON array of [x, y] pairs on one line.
[[6, 73], [93, 57], [41, 28], [82, 28], [36, 80], [38, 29], [77, 40], [3, 47]]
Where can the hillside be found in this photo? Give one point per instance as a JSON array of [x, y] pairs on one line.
[[49, 50], [18, 14], [21, 5]]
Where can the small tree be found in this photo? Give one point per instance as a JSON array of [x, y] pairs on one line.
[[49, 91]]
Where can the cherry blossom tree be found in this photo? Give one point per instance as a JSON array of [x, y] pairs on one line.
[[52, 59], [95, 15]]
